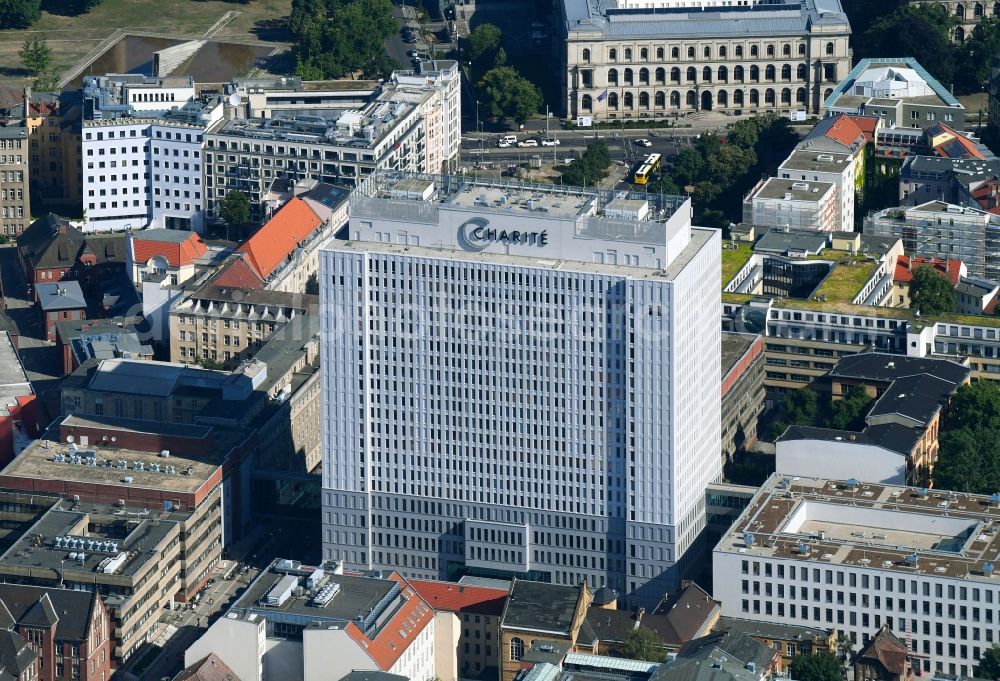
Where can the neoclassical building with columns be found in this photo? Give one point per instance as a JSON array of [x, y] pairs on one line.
[[968, 12], [637, 59]]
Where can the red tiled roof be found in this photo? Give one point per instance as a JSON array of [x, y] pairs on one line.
[[274, 243], [460, 597], [905, 266], [848, 129], [866, 124], [238, 274], [888, 650], [399, 632], [177, 253]]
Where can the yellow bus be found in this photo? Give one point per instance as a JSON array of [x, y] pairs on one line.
[[643, 174], [653, 161]]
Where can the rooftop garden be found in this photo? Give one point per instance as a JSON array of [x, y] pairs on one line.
[[845, 280], [733, 259]]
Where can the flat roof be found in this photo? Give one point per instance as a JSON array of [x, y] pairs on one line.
[[700, 237], [816, 161], [898, 529], [734, 347], [779, 187], [539, 606], [13, 381], [49, 459]]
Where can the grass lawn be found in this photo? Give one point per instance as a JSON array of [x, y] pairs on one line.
[[844, 282], [733, 260], [72, 37]]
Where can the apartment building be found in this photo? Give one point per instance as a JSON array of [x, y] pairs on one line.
[[53, 121], [317, 623], [141, 152], [413, 122], [15, 199], [517, 256], [227, 325], [858, 556], [795, 204], [625, 60], [898, 91], [807, 166], [742, 391], [944, 230]]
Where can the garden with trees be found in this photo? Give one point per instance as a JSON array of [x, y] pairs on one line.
[[969, 460]]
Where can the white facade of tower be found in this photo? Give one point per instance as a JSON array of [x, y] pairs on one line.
[[514, 386]]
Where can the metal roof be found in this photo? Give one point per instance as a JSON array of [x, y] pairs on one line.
[[605, 662]]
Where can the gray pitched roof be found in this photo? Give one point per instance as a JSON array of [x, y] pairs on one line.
[[64, 295], [41, 614], [71, 609], [15, 655]]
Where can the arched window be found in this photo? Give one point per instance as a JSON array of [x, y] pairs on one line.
[[802, 50], [786, 50], [612, 54], [769, 96], [723, 52], [628, 54], [770, 50], [628, 100], [692, 74], [755, 73], [754, 51], [587, 103], [754, 98], [675, 53], [644, 76], [661, 75], [979, 9], [738, 74], [612, 76], [516, 649], [786, 95], [800, 72], [960, 11], [661, 100], [586, 55], [643, 100], [723, 98], [675, 75], [644, 54], [737, 97], [786, 72], [769, 72], [613, 100], [739, 51], [706, 74], [659, 54], [707, 52], [628, 76], [706, 100], [723, 74], [960, 34], [692, 99], [800, 95], [690, 53], [829, 48], [675, 99]]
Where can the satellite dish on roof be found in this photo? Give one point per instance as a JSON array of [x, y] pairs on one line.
[[235, 100], [70, 439]]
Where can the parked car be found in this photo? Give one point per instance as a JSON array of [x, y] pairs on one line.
[[528, 143], [550, 143], [413, 54], [643, 142], [503, 144]]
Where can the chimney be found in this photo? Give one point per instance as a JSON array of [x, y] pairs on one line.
[[27, 99]]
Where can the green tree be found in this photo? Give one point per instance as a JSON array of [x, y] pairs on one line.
[[235, 209], [665, 185], [922, 31], [482, 44], [36, 55], [823, 666], [19, 13], [336, 37], [505, 94], [848, 413], [975, 406], [312, 285], [989, 664], [643, 644], [590, 168], [380, 67], [969, 461], [930, 292], [799, 408], [976, 55]]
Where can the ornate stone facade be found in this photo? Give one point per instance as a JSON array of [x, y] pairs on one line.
[[968, 12], [660, 61]]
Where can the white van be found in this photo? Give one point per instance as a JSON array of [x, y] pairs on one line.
[[507, 141]]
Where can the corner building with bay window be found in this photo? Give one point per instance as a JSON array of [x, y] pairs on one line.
[[519, 381]]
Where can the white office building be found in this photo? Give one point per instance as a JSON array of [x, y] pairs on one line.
[[855, 557], [141, 152], [519, 380]]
